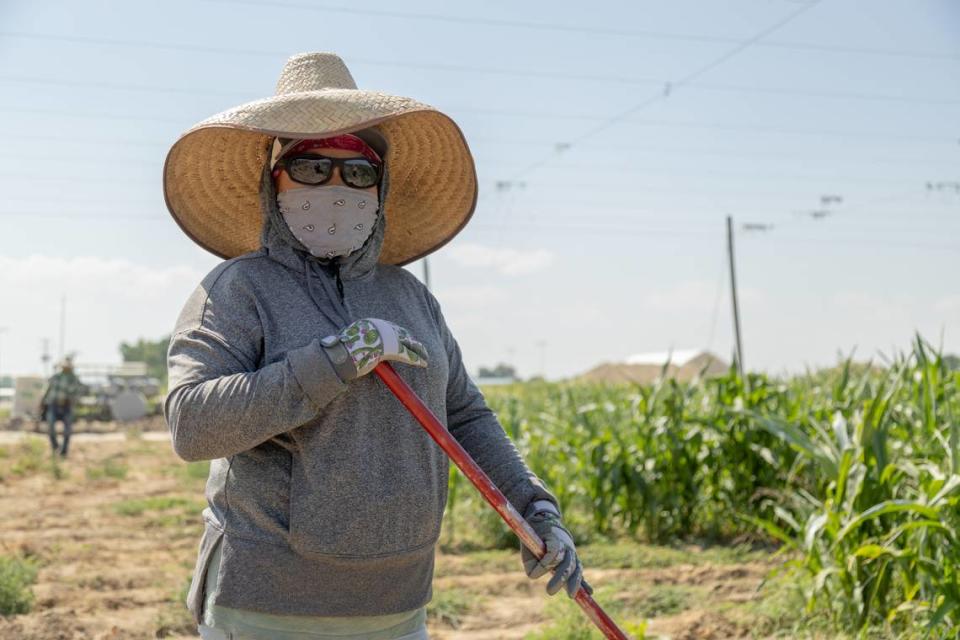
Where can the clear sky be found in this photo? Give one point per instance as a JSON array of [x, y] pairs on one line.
[[676, 114]]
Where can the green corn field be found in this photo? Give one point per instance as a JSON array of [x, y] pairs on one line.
[[852, 475]]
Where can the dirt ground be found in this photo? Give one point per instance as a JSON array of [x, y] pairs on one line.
[[114, 532]]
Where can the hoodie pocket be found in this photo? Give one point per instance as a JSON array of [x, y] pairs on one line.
[[350, 505], [195, 596]]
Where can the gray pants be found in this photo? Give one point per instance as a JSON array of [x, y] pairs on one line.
[[209, 633]]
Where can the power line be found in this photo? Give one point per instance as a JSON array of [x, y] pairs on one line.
[[819, 93], [552, 217], [637, 171], [116, 160], [100, 200], [604, 225], [617, 232], [600, 31], [142, 44], [638, 189], [604, 221], [524, 73], [766, 129], [121, 86], [672, 191], [114, 180], [474, 141], [606, 122], [637, 149], [81, 217], [66, 113], [653, 99], [554, 227], [132, 142], [879, 135], [696, 173], [479, 140]]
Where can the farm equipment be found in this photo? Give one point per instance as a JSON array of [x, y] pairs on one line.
[[116, 392]]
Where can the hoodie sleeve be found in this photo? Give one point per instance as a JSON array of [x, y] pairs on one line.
[[476, 428], [220, 400]]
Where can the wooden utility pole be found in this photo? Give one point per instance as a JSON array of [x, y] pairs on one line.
[[426, 272], [736, 304], [2, 331]]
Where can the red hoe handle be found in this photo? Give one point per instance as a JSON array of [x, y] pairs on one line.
[[490, 492]]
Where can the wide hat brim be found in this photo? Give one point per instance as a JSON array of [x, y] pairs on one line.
[[211, 177]]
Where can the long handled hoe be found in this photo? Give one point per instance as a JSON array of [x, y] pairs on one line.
[[490, 492]]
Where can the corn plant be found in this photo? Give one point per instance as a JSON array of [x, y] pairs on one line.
[[877, 531], [855, 471]]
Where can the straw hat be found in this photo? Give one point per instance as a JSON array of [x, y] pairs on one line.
[[211, 177]]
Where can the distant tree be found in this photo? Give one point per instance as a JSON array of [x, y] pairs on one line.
[[952, 361], [152, 352], [502, 370]]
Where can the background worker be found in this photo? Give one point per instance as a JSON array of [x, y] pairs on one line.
[[61, 394]]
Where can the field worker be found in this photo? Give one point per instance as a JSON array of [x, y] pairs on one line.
[[62, 392], [325, 495]]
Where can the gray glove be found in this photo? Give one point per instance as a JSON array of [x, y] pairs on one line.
[[362, 345], [561, 556]]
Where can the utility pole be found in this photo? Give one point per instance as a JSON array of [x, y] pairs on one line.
[[45, 358], [736, 304], [426, 272], [3, 330]]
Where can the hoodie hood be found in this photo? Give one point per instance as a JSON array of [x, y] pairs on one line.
[[324, 277]]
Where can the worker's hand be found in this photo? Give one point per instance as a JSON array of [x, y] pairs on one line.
[[561, 556], [369, 341]]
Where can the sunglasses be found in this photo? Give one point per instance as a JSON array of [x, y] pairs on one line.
[[313, 170]]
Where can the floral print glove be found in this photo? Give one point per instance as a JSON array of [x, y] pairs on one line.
[[369, 341], [561, 556]]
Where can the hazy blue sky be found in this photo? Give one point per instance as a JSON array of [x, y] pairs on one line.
[[611, 247]]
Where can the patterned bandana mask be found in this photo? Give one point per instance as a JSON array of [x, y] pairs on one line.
[[329, 220]]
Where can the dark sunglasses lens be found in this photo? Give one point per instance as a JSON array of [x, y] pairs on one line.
[[310, 170], [359, 173]]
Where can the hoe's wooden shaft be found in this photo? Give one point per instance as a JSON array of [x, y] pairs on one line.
[[490, 492]]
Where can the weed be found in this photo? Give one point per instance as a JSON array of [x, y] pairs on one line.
[[448, 606], [174, 619], [57, 470], [166, 510], [16, 577], [196, 470], [31, 455], [568, 622], [664, 600], [112, 467]]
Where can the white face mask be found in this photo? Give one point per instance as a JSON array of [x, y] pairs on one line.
[[329, 220]]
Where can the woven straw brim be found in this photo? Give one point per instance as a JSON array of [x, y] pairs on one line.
[[211, 177]]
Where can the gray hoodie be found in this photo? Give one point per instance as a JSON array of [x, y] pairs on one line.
[[327, 496]]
